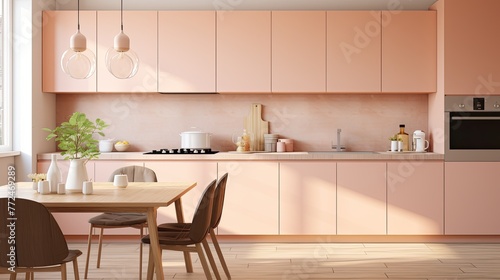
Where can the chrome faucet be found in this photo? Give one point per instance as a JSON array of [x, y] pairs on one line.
[[338, 139]]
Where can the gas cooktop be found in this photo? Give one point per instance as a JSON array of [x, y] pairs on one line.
[[181, 152]]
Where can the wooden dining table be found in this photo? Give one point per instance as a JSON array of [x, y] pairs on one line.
[[137, 197]]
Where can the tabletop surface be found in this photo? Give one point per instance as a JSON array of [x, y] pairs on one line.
[[136, 194]]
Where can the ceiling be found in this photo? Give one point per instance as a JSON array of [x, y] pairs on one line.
[[246, 4]]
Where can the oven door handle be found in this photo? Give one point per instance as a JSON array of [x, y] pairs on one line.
[[475, 118]]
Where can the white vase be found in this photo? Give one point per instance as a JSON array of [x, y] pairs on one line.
[[54, 174], [77, 174]]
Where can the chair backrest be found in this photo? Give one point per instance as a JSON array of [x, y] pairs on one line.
[[38, 239], [201, 218], [135, 173], [220, 192]]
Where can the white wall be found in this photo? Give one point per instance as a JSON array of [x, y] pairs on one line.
[[32, 109]]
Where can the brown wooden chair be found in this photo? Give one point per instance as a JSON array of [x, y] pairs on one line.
[[121, 220], [220, 192], [190, 240], [39, 246]]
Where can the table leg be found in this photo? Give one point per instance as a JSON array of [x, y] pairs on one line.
[[180, 219], [154, 245]]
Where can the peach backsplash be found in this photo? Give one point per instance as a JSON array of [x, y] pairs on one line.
[[151, 121]]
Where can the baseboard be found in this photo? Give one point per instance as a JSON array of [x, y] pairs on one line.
[[321, 238]]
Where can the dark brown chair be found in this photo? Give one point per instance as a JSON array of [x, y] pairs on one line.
[[121, 220], [39, 246], [192, 239], [220, 192]]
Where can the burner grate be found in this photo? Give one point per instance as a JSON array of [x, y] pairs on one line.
[[181, 152]]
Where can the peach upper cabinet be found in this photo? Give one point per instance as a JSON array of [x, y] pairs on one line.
[[409, 51], [244, 51], [298, 51], [353, 51], [58, 27], [141, 27], [375, 51], [471, 63], [186, 51]]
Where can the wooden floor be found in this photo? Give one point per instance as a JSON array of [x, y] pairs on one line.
[[309, 261]]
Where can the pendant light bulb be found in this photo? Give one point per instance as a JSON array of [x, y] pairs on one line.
[[78, 61], [121, 61]]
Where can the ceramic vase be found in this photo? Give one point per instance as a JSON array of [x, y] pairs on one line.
[[77, 174], [53, 174]]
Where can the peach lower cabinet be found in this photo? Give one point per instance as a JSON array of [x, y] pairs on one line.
[[300, 197]]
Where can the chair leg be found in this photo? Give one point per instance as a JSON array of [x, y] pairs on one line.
[[63, 272], [188, 262], [140, 253], [151, 265], [100, 248], [75, 270], [203, 261], [211, 258], [219, 253], [89, 243]]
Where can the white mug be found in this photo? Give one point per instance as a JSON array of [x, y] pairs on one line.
[[61, 188], [88, 187], [421, 145], [120, 180], [43, 187]]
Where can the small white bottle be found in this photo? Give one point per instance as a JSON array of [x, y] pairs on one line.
[[53, 174]]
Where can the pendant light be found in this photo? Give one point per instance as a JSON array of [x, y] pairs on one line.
[[78, 61], [121, 61]]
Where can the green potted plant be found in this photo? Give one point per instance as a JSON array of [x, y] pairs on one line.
[[76, 141]]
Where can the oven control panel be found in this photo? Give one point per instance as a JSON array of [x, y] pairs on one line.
[[472, 103]]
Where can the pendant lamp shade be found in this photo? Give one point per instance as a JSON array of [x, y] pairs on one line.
[[78, 61], [121, 61]]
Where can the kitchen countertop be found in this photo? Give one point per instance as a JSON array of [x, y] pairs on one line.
[[224, 156]]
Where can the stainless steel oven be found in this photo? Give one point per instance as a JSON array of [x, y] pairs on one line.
[[472, 128]]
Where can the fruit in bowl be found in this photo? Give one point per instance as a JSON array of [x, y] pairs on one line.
[[122, 146]]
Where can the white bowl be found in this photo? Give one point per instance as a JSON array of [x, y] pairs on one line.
[[122, 147], [106, 146]]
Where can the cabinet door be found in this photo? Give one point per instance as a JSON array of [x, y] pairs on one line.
[[58, 27], [308, 198], [353, 51], [244, 51], [415, 197], [361, 198], [299, 51], [409, 51], [70, 223], [184, 171], [471, 60], [251, 203], [186, 57], [472, 193], [141, 27]]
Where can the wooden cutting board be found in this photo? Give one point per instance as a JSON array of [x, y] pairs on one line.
[[256, 127]]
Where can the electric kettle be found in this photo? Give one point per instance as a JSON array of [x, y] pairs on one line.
[[420, 145]]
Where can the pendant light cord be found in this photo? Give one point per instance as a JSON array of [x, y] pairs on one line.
[[121, 14], [78, 14]]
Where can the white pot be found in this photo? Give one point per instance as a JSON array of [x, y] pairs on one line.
[[77, 174], [195, 140]]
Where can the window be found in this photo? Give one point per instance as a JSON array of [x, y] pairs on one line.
[[5, 77]]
